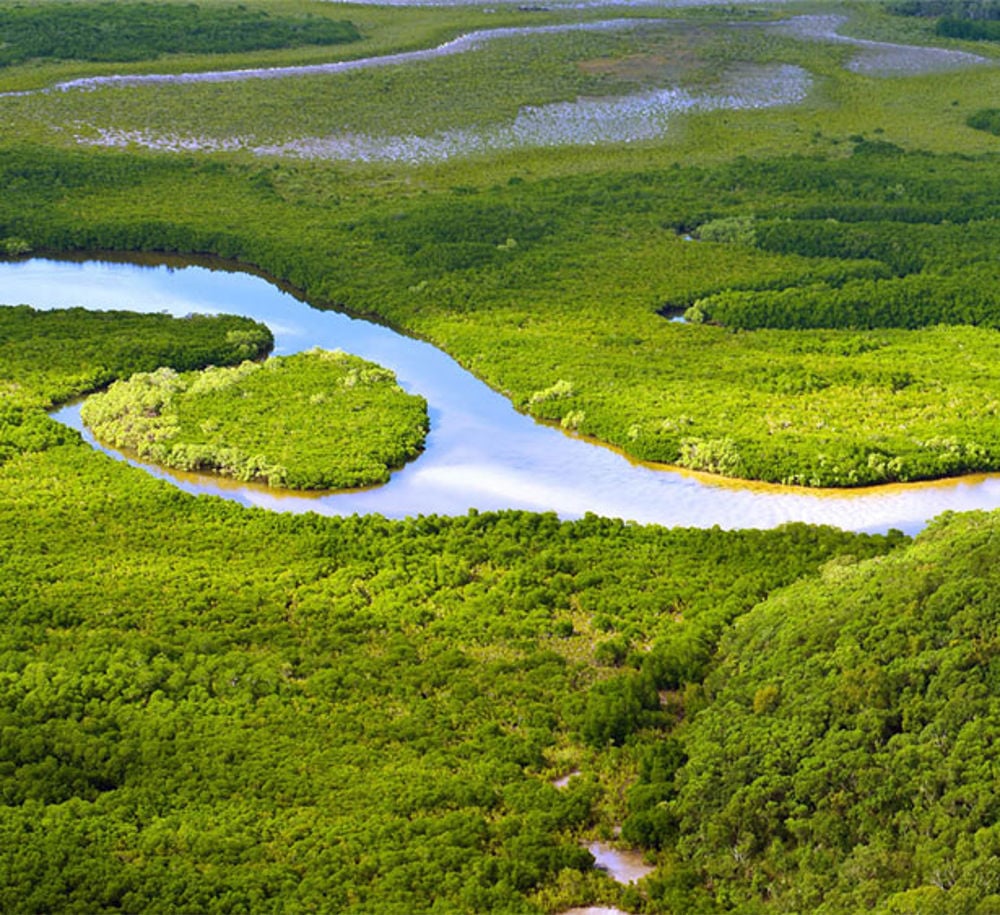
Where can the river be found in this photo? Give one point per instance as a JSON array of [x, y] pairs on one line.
[[481, 453]]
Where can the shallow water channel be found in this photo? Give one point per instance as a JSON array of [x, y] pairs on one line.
[[628, 118], [583, 121], [481, 453]]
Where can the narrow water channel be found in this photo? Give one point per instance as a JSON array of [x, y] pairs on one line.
[[481, 453]]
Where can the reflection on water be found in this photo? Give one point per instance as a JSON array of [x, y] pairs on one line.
[[481, 453], [624, 866]]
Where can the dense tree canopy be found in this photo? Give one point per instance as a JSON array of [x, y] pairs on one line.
[[846, 759], [207, 708], [210, 708], [316, 420], [144, 31]]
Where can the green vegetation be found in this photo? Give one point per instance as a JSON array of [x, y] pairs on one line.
[[317, 420], [49, 357], [987, 119], [968, 30], [845, 756], [207, 708], [912, 301], [572, 306], [143, 31], [972, 10], [475, 89], [966, 20], [219, 709], [972, 20]]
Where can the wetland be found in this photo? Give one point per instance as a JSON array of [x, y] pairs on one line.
[[721, 588]]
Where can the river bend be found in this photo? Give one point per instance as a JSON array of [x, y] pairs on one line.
[[481, 453]]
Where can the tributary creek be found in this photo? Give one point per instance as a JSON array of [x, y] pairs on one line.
[[481, 453]]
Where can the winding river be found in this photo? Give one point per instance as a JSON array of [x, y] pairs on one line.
[[481, 452], [629, 118]]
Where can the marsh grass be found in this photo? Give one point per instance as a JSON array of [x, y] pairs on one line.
[[470, 90], [485, 89]]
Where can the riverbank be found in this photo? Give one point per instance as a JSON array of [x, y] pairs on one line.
[[480, 452]]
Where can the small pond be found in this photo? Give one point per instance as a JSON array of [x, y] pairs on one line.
[[624, 866]]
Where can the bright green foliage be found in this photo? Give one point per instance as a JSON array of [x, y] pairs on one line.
[[144, 31], [317, 420], [567, 319], [210, 709], [730, 229], [846, 757], [371, 704], [365, 702], [651, 823], [48, 357], [987, 119], [207, 708], [912, 257], [920, 300]]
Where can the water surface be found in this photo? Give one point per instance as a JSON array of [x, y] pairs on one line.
[[879, 58], [481, 453], [640, 116], [585, 121], [624, 866], [582, 122]]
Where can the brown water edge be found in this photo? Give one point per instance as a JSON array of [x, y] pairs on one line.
[[215, 263], [220, 484], [216, 480], [172, 261], [741, 484]]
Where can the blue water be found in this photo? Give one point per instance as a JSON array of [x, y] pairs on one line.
[[481, 452]]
